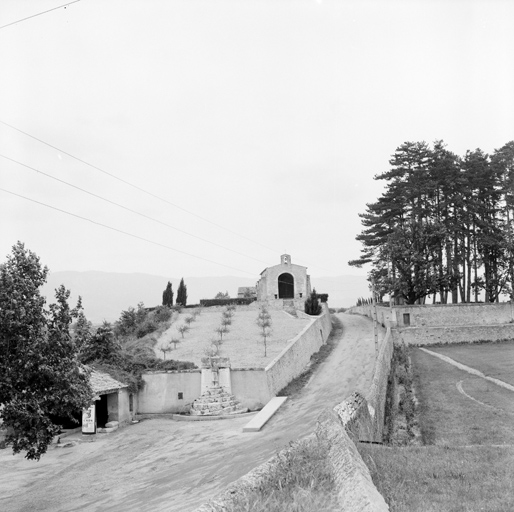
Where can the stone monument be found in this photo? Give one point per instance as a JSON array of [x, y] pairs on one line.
[[216, 398]]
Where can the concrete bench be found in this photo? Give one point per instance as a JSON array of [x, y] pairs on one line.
[[262, 417]]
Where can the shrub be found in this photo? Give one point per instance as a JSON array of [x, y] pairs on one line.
[[146, 327], [312, 305], [162, 314]]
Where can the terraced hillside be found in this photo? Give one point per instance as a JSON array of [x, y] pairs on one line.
[[242, 344]]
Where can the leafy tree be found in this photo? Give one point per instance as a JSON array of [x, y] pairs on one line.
[[164, 349], [40, 375], [264, 323], [221, 295], [312, 305], [221, 330], [182, 329], [226, 321], [228, 313], [182, 293], [127, 322], [82, 330], [102, 346], [167, 296]]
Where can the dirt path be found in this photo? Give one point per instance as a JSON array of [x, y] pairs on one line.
[[165, 465]]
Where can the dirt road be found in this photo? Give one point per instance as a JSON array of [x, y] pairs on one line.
[[166, 465]]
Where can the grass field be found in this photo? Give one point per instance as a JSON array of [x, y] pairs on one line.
[[242, 344], [449, 417], [443, 479], [467, 427], [492, 359]]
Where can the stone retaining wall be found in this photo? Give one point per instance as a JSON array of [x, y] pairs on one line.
[[435, 315], [291, 362], [376, 396], [453, 334], [446, 323]]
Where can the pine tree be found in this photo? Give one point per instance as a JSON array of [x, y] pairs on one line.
[[443, 226], [167, 296], [182, 293]]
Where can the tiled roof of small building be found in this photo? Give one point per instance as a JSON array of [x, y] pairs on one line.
[[102, 383]]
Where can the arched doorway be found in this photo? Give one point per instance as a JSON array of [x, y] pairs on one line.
[[285, 286]]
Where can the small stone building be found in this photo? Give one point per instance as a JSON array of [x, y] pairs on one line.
[[284, 282], [113, 402]]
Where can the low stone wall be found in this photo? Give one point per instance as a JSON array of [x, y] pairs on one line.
[[250, 387], [160, 393], [384, 315], [353, 483], [432, 315], [354, 486], [376, 396], [446, 323], [453, 334], [291, 362]]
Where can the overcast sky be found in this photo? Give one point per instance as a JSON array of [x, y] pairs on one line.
[[255, 127]]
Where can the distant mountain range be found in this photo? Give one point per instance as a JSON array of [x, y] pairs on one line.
[[106, 294]]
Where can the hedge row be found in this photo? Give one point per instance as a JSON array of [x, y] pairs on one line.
[[226, 302]]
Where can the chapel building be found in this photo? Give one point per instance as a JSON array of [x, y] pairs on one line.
[[284, 282]]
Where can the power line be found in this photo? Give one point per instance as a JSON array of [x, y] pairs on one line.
[[123, 232], [128, 209], [136, 186], [144, 191], [127, 233], [39, 14]]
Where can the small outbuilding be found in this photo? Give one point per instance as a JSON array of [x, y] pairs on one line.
[[113, 402]]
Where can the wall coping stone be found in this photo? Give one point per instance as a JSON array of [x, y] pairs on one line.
[[154, 372], [459, 304]]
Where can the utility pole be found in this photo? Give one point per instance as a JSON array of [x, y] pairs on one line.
[[374, 313]]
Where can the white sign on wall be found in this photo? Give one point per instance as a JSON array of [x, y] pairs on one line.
[[89, 420]]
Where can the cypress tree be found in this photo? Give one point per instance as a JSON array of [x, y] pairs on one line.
[[182, 293], [167, 296]]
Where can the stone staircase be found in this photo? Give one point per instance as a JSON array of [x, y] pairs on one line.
[[215, 401]]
